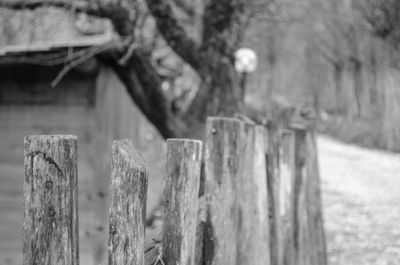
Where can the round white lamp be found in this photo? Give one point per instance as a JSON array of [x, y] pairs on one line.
[[245, 62]]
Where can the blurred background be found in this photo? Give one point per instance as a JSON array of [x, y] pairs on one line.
[[58, 75]]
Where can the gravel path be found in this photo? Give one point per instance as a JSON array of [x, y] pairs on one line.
[[361, 197]]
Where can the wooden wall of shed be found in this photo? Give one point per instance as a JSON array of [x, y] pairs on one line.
[[98, 110], [116, 117], [28, 105]]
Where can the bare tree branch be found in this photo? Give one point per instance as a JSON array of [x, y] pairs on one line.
[[31, 5], [173, 33], [144, 86], [91, 52], [60, 56], [224, 22], [185, 6]]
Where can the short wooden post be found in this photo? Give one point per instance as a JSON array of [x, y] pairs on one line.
[[51, 200], [224, 137], [253, 230], [286, 194], [127, 205], [181, 201]]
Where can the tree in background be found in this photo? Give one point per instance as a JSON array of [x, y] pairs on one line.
[[340, 38], [350, 57], [205, 36], [383, 19]]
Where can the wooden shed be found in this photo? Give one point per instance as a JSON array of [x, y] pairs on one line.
[[89, 102]]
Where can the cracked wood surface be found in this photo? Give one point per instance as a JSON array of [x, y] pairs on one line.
[[222, 158], [253, 229], [286, 197], [128, 192], [181, 200], [271, 146], [51, 200], [309, 236]]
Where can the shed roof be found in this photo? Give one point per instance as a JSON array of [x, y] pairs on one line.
[[47, 28]]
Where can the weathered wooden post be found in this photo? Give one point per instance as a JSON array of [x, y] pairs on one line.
[[224, 139], [181, 200], [271, 148], [201, 221], [51, 200], [253, 230], [309, 237], [127, 205], [286, 197], [302, 243]]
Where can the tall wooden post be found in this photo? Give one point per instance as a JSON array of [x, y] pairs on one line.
[[181, 201], [127, 205], [224, 140], [51, 200], [309, 237], [253, 230], [286, 194], [272, 138]]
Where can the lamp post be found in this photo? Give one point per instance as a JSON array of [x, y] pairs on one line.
[[245, 62]]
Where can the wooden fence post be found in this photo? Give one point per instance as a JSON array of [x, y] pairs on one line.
[[302, 243], [181, 201], [309, 236], [253, 230], [51, 200], [224, 137], [286, 194], [127, 205], [272, 143]]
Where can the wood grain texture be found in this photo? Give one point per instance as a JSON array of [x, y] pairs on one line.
[[51, 200], [181, 201], [309, 232], [286, 194], [201, 222], [273, 136], [127, 205], [201, 218], [224, 140], [253, 225]]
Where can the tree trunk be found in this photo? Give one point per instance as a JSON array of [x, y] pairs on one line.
[[272, 60], [391, 110], [313, 81], [338, 80], [220, 96], [358, 87]]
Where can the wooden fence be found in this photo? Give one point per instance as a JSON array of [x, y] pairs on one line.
[[256, 202]]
